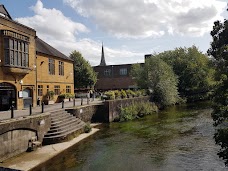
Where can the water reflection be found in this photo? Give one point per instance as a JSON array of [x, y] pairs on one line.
[[178, 138]]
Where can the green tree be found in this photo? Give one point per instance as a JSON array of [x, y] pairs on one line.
[[159, 77], [84, 74], [219, 50], [194, 70]]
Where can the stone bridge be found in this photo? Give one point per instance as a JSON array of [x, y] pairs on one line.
[[16, 133]]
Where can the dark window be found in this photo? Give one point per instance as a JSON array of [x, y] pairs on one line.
[[40, 90], [68, 89], [123, 71], [15, 54], [57, 89], [51, 66], [61, 68], [107, 72]]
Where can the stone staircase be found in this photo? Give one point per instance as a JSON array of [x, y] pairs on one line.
[[64, 127]]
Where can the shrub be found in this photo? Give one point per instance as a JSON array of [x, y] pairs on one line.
[[117, 94], [130, 93], [138, 93], [62, 96], [110, 95], [123, 94], [87, 128], [50, 94], [137, 110]]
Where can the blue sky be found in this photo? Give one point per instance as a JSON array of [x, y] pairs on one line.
[[129, 29]]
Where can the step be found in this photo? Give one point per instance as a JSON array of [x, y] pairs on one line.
[[60, 121], [53, 119], [59, 113], [57, 128], [77, 121], [65, 130]]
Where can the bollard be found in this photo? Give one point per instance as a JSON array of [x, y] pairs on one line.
[[42, 107], [62, 104], [12, 111], [87, 100], [81, 101], [74, 102], [30, 109]]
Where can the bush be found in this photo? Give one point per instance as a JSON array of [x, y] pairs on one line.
[[138, 93], [110, 95], [87, 128], [123, 94], [51, 94], [137, 110], [117, 94], [130, 93]]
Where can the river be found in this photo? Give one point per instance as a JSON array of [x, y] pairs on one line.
[[176, 139]]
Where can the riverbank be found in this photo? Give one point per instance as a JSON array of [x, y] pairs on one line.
[[28, 161]]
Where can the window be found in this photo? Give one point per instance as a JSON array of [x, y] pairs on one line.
[[16, 52], [61, 68], [51, 66], [57, 89], [123, 71], [107, 72], [68, 89], [47, 88], [40, 90]]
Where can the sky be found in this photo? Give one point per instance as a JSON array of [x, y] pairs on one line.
[[128, 29]]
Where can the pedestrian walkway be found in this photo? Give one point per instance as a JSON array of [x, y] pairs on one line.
[[5, 115]]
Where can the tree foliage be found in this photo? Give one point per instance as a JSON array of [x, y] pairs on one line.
[[160, 78], [219, 50], [194, 70], [84, 74]]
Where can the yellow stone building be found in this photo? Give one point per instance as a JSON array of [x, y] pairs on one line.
[[29, 67]]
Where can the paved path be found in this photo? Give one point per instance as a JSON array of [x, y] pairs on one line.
[[47, 108]]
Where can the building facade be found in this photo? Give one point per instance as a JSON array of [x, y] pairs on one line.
[[21, 70], [113, 77]]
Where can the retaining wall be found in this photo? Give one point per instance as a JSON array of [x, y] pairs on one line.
[[16, 133]]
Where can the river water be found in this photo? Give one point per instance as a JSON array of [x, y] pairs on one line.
[[178, 138]]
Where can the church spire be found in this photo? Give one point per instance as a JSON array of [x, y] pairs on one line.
[[102, 57]]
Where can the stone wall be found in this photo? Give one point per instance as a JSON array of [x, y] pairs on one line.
[[89, 113], [105, 112], [16, 133], [113, 106]]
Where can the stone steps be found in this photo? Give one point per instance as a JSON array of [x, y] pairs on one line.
[[64, 127]]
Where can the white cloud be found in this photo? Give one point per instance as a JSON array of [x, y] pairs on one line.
[[60, 32], [149, 18]]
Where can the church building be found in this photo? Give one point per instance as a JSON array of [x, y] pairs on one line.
[[113, 77]]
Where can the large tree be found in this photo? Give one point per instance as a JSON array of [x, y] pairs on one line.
[[159, 77], [84, 75], [219, 50], [194, 70]]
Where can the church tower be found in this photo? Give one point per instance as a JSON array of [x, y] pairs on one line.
[[103, 63]]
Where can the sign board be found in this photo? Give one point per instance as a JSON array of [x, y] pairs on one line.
[[20, 94]]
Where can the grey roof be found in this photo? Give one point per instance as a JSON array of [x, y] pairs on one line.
[[43, 47], [4, 11]]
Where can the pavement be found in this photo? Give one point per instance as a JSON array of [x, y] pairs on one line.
[[5, 115], [27, 161]]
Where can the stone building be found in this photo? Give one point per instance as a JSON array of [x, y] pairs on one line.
[[29, 66], [113, 77]]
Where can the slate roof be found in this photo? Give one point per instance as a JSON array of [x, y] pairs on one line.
[[43, 47], [4, 11]]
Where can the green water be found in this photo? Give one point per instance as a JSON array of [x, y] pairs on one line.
[[178, 138]]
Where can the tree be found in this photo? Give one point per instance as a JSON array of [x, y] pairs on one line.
[[219, 50], [194, 70], [160, 78], [84, 74]]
